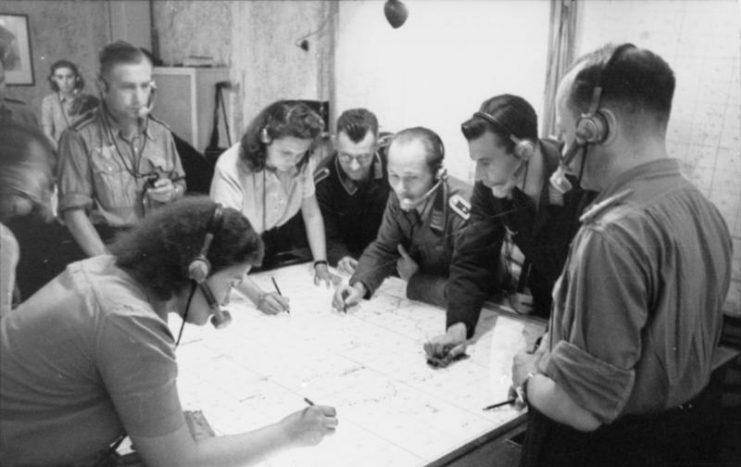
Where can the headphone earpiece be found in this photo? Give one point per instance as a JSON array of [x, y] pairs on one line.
[[524, 148], [441, 174], [265, 136], [592, 127], [200, 267]]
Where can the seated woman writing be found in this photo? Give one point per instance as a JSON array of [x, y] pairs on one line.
[[90, 356], [268, 177]]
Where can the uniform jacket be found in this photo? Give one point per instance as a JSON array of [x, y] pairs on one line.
[[352, 212], [542, 236], [429, 239]]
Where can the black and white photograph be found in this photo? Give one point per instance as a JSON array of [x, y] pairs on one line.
[[397, 233]]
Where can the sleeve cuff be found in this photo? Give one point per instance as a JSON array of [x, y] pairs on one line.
[[597, 386], [74, 201]]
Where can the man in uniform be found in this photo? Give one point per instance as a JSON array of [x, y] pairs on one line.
[[120, 162], [14, 109], [512, 197], [352, 188], [623, 377], [423, 215]]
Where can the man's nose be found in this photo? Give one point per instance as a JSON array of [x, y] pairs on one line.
[[354, 164]]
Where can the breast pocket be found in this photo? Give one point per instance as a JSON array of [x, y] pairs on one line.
[[114, 187]]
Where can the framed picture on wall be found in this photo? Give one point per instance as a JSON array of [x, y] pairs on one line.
[[15, 49]]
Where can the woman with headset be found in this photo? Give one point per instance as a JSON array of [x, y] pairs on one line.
[[268, 177], [67, 104], [90, 357]]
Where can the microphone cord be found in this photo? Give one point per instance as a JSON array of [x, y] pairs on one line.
[[185, 315]]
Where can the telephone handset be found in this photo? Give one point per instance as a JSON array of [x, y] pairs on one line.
[[147, 109]]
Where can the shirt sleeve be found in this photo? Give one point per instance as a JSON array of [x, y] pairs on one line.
[[604, 311], [307, 174], [47, 118], [9, 255], [336, 248], [178, 173], [225, 186], [475, 263], [378, 261], [74, 175], [136, 361]]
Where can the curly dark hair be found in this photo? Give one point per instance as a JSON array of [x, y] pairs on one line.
[[158, 250], [279, 119]]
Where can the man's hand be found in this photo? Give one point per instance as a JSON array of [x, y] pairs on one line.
[[347, 296], [452, 343], [162, 190], [322, 274], [347, 265], [272, 303], [406, 265]]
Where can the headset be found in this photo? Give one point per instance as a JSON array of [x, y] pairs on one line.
[[200, 268], [524, 148], [592, 127]]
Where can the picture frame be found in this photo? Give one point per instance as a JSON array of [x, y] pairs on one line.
[[15, 48]]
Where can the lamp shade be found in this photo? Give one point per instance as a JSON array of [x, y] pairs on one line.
[[396, 13]]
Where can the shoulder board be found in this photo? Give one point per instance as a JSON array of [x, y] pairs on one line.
[[13, 100], [460, 206], [84, 121], [321, 174], [594, 211], [157, 120]]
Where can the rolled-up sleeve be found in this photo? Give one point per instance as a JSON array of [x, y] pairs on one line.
[[225, 186], [604, 311], [73, 173]]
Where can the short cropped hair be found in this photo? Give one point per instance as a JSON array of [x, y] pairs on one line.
[[16, 163], [158, 251], [280, 119], [433, 144], [356, 123], [516, 117], [117, 53], [638, 81]]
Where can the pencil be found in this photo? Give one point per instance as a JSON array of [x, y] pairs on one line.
[[494, 406], [275, 284], [308, 401], [277, 289]]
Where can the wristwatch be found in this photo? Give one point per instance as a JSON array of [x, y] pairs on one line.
[[320, 261], [521, 390]]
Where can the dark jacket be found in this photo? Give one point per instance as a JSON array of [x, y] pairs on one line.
[[429, 239], [543, 237], [352, 212]]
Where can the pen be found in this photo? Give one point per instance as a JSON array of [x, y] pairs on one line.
[[308, 401], [277, 289], [494, 406]]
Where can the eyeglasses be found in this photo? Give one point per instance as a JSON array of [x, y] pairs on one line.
[[362, 159]]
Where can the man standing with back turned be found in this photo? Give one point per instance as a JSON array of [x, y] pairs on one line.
[[624, 376]]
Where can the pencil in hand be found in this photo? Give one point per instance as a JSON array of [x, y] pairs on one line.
[[277, 289]]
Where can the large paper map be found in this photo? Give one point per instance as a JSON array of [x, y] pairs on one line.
[[393, 409]]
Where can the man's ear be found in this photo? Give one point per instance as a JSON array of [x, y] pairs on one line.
[[101, 84]]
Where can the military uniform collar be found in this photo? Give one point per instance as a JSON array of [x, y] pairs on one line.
[[438, 208], [351, 186], [648, 170]]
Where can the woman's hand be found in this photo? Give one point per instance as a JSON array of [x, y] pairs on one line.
[[322, 274], [272, 303], [309, 426]]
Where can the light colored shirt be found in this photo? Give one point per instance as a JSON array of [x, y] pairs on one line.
[[9, 255], [260, 196], [637, 311], [106, 174], [57, 115], [84, 360]]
